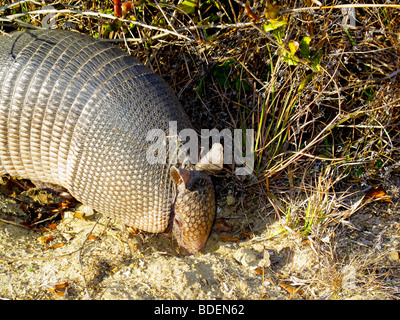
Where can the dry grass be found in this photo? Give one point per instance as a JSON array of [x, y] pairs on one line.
[[326, 126]]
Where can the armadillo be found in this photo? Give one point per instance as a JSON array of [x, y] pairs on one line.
[[74, 112]]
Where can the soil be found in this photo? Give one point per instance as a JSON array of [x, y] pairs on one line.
[[260, 261]]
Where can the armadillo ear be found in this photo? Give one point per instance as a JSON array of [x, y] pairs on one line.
[[180, 175], [213, 160]]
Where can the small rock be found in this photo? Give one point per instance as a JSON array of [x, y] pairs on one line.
[[258, 247], [68, 214], [224, 250], [230, 200], [84, 210], [265, 261], [394, 256], [246, 257], [67, 236]]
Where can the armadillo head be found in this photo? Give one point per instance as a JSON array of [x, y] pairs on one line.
[[194, 208]]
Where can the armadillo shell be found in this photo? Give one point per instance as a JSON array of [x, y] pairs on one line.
[[75, 111]]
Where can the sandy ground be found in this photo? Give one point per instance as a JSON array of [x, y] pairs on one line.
[[263, 264]]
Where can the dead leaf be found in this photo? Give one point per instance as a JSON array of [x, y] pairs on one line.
[[222, 226], [272, 10], [117, 8], [249, 12], [378, 194], [65, 204], [246, 234], [45, 239], [133, 231], [58, 288], [56, 246], [126, 7], [292, 290], [228, 238], [79, 215], [311, 244], [258, 271]]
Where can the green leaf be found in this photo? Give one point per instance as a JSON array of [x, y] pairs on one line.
[[221, 72], [107, 28], [316, 60], [188, 6], [274, 24], [214, 3], [305, 82], [200, 86], [293, 46], [213, 18], [289, 58], [147, 44], [241, 85], [305, 47]]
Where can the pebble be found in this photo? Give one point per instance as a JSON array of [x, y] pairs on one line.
[[265, 261], [394, 256], [68, 214], [230, 200], [84, 210], [245, 257]]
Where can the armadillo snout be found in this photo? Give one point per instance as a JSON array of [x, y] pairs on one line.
[[194, 209]]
